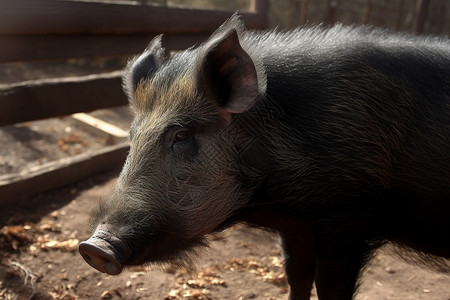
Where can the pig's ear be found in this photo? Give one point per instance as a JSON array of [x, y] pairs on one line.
[[227, 73], [143, 66]]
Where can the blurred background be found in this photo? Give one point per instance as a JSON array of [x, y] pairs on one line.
[[418, 16]]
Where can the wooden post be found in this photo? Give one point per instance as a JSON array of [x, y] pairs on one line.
[[331, 11], [261, 7], [303, 12], [253, 5], [292, 12], [398, 22], [367, 12], [442, 10], [421, 12]]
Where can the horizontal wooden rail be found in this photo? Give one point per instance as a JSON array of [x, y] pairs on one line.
[[51, 29], [48, 47], [32, 17], [40, 99], [32, 181], [45, 30]]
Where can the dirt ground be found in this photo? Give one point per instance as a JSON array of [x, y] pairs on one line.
[[39, 260]]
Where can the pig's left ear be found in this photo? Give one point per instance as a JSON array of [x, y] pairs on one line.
[[143, 66], [227, 73]]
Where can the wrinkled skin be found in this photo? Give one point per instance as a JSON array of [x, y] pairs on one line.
[[337, 139]]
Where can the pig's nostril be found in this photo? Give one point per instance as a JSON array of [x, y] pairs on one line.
[[105, 251], [101, 258]]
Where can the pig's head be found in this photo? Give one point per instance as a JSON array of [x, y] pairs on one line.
[[184, 176]]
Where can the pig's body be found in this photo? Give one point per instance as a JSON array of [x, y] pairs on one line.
[[338, 139]]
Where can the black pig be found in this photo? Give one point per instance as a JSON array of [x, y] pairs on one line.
[[338, 139]]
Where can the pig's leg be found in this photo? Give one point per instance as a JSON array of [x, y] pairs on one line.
[[299, 263], [337, 272]]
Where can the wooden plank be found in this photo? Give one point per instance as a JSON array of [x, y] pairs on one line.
[[41, 17], [304, 12], [261, 8], [46, 47], [39, 99], [367, 11], [99, 127], [53, 29], [56, 174], [420, 14], [330, 16]]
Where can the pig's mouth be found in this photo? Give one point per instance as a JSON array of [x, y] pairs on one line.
[[105, 252]]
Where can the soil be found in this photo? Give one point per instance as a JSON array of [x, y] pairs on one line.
[[40, 261]]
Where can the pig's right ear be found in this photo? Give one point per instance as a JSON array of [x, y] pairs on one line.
[[143, 66], [227, 73]]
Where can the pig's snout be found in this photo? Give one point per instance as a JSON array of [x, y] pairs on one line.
[[105, 252]]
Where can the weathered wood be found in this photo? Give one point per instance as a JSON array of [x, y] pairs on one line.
[[421, 12], [293, 5], [54, 29], [46, 47], [39, 99], [32, 181], [303, 12], [261, 9], [399, 16], [99, 127], [367, 11], [41, 17], [330, 17]]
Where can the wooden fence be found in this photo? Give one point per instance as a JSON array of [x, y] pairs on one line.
[[44, 30], [50, 29], [415, 16]]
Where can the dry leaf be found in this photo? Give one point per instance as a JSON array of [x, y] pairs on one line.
[[117, 292], [106, 295], [69, 245], [51, 227]]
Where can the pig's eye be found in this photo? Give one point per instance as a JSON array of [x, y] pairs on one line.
[[181, 141], [181, 136]]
